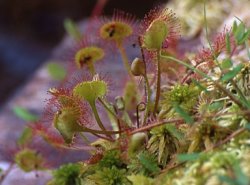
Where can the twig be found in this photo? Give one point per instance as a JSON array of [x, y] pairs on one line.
[[148, 127], [227, 139]]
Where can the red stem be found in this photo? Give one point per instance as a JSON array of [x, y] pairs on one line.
[[99, 6]]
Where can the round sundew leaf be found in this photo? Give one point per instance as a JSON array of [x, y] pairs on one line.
[[90, 90], [66, 100], [29, 160], [116, 31], [88, 55], [66, 122], [155, 35]]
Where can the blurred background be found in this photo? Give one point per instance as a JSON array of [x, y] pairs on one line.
[[30, 29]]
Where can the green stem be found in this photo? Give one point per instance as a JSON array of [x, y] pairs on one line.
[[91, 68], [119, 120], [188, 66], [93, 131], [148, 99], [125, 60], [104, 103], [158, 82], [230, 95], [97, 117], [115, 121]]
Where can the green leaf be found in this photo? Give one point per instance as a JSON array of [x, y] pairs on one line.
[[226, 63], [215, 106], [226, 179], [24, 114], [174, 131], [244, 37], [56, 71], [72, 29], [155, 35], [244, 101], [228, 43], [149, 162], [188, 157], [241, 177], [247, 126], [235, 26], [231, 74], [239, 33], [183, 114], [90, 90], [25, 137]]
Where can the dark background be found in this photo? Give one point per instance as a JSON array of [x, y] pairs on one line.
[[30, 29]]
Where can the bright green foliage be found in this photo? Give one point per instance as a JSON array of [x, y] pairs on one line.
[[232, 73], [29, 160], [155, 35], [207, 168], [90, 90], [226, 63], [140, 180], [164, 142], [188, 157], [110, 176], [144, 163], [240, 32], [68, 174], [111, 158], [24, 114], [185, 96], [148, 163], [183, 114]]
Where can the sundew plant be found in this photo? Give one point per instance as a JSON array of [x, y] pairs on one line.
[[181, 119]]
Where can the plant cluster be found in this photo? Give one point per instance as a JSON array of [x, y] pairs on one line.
[[187, 126]]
